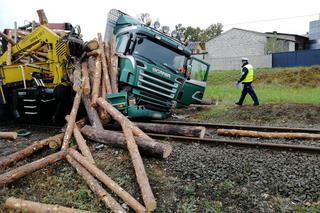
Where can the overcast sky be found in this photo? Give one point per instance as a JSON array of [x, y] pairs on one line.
[[92, 15]]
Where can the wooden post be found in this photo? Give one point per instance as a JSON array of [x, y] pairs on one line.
[[72, 119], [92, 113], [8, 135], [100, 175], [113, 138], [258, 134], [21, 206], [29, 150], [96, 82], [171, 129], [24, 170], [42, 17], [9, 49], [95, 186], [85, 76], [106, 78]]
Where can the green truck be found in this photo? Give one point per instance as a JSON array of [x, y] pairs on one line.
[[156, 71]]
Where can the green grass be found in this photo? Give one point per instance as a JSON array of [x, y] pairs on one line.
[[272, 86]]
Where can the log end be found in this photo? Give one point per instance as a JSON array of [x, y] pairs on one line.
[[167, 151], [202, 132], [151, 205]]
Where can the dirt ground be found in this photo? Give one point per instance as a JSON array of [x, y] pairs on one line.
[[195, 177]]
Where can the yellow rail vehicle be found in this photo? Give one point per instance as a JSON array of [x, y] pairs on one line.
[[33, 70]]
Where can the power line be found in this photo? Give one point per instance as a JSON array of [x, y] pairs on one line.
[[274, 19]]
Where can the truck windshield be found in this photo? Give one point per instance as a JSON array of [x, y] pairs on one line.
[[159, 53]]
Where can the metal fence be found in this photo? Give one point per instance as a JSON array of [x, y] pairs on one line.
[[296, 59]]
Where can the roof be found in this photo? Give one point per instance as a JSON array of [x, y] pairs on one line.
[[267, 34]]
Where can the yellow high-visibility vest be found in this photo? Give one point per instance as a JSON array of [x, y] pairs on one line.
[[249, 77]]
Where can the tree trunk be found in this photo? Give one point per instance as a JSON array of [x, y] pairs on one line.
[[95, 186], [92, 113], [96, 82], [82, 145], [24, 170], [8, 135], [100, 175], [113, 138], [8, 39], [20, 205], [106, 79], [85, 77], [137, 162], [91, 45], [72, 120], [171, 129], [257, 134], [29, 150]]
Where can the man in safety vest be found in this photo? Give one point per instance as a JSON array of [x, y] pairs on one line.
[[246, 79]]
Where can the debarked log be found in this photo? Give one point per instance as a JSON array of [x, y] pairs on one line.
[[114, 138], [259, 134], [171, 129], [20, 205]]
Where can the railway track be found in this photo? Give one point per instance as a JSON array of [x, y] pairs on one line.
[[214, 141], [241, 127]]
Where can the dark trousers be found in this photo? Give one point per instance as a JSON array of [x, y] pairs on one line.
[[247, 88]]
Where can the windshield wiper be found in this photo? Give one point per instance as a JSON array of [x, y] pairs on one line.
[[148, 59], [169, 67]]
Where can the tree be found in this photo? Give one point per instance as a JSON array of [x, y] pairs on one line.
[[197, 34]]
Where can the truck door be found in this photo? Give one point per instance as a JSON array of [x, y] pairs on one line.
[[197, 76]]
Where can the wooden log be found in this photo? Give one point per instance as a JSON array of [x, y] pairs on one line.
[[95, 186], [20, 205], [91, 69], [141, 175], [91, 45], [7, 38], [100, 175], [24, 170], [94, 53], [72, 119], [77, 82], [92, 113], [96, 82], [9, 49], [81, 142], [269, 135], [85, 77], [113, 138], [29, 150], [8, 135], [114, 66], [42, 17], [117, 115], [171, 129], [106, 79]]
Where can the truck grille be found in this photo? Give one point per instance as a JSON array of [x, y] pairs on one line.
[[155, 84]]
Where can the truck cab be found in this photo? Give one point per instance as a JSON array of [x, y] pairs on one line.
[[156, 71]]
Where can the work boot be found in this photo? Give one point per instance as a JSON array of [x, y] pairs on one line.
[[237, 103], [256, 104]]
